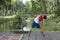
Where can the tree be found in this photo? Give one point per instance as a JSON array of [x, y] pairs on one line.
[[5, 5], [57, 12]]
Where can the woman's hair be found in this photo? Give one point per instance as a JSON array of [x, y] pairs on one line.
[[45, 17]]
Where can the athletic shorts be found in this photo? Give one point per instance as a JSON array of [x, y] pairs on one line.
[[35, 25]]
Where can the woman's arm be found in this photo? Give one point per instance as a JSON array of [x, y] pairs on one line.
[[41, 28], [41, 25]]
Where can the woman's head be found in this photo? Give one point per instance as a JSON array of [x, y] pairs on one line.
[[45, 17]]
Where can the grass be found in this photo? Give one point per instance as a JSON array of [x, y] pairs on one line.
[[50, 26]]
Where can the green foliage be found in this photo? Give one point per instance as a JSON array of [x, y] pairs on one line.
[[36, 7], [57, 12], [3, 20], [24, 11], [11, 23], [17, 22], [5, 2], [58, 18]]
